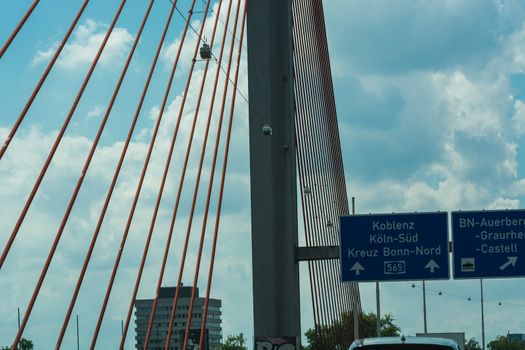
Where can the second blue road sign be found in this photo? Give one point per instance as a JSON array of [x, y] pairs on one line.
[[394, 247], [488, 243]]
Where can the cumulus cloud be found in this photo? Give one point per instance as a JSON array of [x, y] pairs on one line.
[[84, 44], [233, 257], [95, 112], [454, 137]]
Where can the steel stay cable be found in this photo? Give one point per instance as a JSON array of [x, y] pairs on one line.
[[327, 189], [91, 153], [40, 83], [146, 248], [58, 139], [221, 186], [117, 170], [212, 173], [139, 185], [353, 290], [319, 161], [332, 122], [326, 171], [317, 265], [327, 197], [166, 251], [188, 231], [159, 195], [306, 208], [212, 55], [328, 275], [312, 266], [17, 28], [299, 106], [313, 150], [55, 243], [181, 182]]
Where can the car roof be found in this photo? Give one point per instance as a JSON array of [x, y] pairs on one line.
[[403, 340]]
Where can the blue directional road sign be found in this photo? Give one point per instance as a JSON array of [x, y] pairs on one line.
[[394, 247], [488, 243]]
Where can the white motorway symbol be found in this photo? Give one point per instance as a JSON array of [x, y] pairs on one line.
[[357, 268], [511, 260]]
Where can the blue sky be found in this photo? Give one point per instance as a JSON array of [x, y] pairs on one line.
[[431, 105], [430, 97]]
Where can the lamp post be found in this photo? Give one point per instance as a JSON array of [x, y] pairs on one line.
[[482, 316], [78, 341]]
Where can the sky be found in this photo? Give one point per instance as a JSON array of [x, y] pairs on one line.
[[430, 96]]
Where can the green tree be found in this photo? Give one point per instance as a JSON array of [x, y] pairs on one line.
[[387, 325], [234, 342], [24, 344], [339, 334], [472, 344], [503, 343]]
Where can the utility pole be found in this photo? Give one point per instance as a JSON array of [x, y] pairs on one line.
[[273, 170]]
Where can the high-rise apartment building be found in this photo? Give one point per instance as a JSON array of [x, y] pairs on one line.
[[159, 331]]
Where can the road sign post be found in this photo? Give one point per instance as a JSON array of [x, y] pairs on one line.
[[488, 243], [394, 247]]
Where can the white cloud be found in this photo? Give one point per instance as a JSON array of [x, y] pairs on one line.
[[518, 117], [84, 44], [233, 256], [95, 112]]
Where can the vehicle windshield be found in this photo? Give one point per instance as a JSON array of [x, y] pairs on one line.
[[406, 347]]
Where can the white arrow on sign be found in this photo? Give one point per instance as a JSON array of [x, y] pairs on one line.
[[357, 268], [511, 260], [432, 265]]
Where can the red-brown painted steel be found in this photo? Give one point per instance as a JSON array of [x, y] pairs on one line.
[[223, 177], [17, 29], [42, 173], [88, 162], [40, 83]]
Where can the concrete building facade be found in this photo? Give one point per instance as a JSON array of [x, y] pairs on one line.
[[162, 319]]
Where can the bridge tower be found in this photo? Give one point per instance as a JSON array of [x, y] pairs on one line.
[[273, 170]]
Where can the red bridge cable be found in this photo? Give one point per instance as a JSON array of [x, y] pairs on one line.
[[18, 27], [300, 102], [335, 305], [181, 181], [119, 166], [304, 182], [159, 197], [223, 177], [41, 82], [319, 224], [212, 174], [55, 146], [188, 232], [335, 144], [88, 161], [320, 162], [312, 266], [158, 201], [139, 187]]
